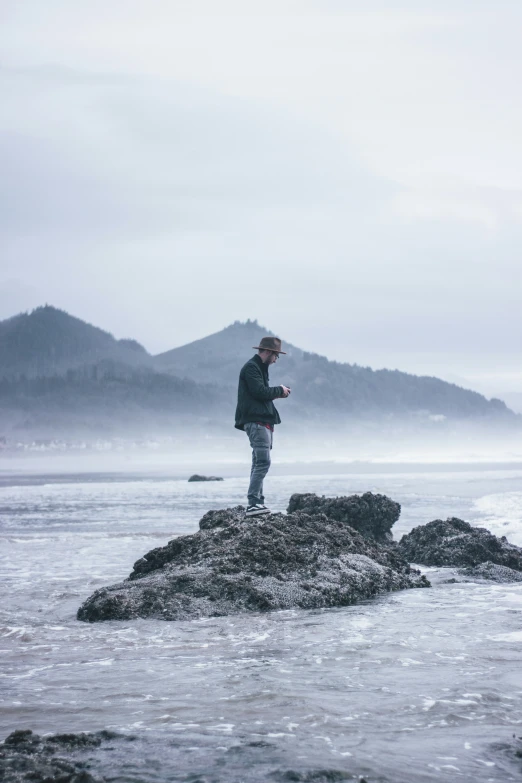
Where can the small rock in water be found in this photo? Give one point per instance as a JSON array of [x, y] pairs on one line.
[[197, 477], [316, 776], [234, 564], [511, 750], [27, 756], [493, 572], [456, 543]]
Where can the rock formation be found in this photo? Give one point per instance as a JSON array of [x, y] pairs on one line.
[[456, 543], [273, 562], [371, 515], [27, 756], [492, 572], [197, 477]]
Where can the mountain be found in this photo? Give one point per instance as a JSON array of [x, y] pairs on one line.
[[61, 374], [49, 341], [219, 357], [322, 387]]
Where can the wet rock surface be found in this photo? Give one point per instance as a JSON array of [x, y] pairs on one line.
[[234, 565], [372, 515], [493, 573], [53, 759], [316, 776], [511, 751], [197, 477], [453, 542], [106, 756]]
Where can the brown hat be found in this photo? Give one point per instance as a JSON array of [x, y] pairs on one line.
[[270, 344]]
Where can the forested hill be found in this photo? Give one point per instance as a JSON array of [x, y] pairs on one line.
[[322, 386], [49, 341], [57, 370]]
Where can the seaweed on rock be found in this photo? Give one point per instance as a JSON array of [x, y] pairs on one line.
[[454, 542], [372, 515], [28, 756]]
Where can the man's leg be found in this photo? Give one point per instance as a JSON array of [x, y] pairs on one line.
[[252, 500], [261, 441], [262, 496]]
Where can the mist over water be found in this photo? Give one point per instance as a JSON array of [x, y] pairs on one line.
[[419, 685], [325, 446]]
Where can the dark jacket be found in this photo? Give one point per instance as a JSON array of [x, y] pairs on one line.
[[254, 395]]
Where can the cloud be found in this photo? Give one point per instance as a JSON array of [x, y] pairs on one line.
[[113, 156], [437, 198], [347, 173]]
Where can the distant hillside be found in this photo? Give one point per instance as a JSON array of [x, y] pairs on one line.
[[49, 341], [321, 387], [514, 400], [58, 372], [103, 398]]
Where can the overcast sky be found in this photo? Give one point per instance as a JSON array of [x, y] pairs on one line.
[[347, 172]]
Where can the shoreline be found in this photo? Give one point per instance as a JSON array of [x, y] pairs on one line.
[[70, 468]]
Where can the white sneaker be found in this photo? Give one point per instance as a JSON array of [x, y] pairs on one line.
[[256, 510]]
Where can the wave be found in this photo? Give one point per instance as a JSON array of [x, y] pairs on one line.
[[502, 514]]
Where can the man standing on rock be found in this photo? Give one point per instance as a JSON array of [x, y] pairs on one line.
[[256, 415]]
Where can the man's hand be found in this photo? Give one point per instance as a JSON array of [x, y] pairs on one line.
[[286, 391]]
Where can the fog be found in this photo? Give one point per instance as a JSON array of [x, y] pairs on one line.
[[337, 447]]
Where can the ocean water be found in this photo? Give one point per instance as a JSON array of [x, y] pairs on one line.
[[419, 685]]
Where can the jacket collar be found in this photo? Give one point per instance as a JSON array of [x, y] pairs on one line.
[[260, 363]]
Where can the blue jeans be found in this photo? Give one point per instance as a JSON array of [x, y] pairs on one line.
[[261, 440]]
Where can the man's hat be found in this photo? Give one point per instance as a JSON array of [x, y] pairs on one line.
[[270, 344]]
